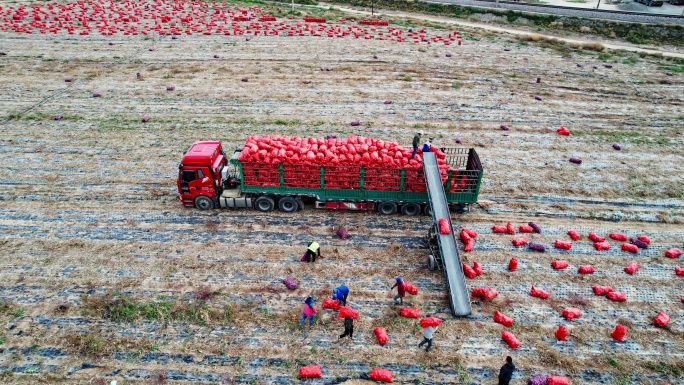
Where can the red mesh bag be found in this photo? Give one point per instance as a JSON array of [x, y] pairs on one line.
[[559, 265], [381, 334], [662, 319], [509, 228], [346, 312], [444, 226], [539, 293], [602, 290], [619, 333], [469, 272], [513, 264], [571, 313], [631, 268], [574, 235], [471, 233], [673, 253], [558, 380], [600, 246], [469, 246], [379, 374], [679, 270], [465, 236], [311, 371], [410, 288], [331, 304], [630, 247], [410, 312], [487, 293], [617, 296], [520, 241], [596, 238], [586, 269], [562, 245], [618, 237], [563, 131], [645, 239], [477, 267], [503, 319], [499, 229], [562, 333], [526, 229], [430, 321], [510, 339]]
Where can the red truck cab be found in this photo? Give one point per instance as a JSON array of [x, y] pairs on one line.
[[199, 175]]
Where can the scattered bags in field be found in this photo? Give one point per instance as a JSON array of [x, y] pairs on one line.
[[503, 319], [539, 379], [575, 160], [342, 233], [572, 313], [619, 333], [662, 320], [471, 233], [410, 288], [510, 339], [526, 229], [600, 246], [639, 243], [559, 265], [379, 374], [558, 380], [520, 241], [536, 227], [477, 267], [499, 229], [331, 304], [539, 293], [444, 226], [586, 269], [537, 247], [381, 334], [347, 312], [513, 265], [673, 253], [574, 235], [596, 238], [631, 268], [562, 245], [430, 321], [311, 371], [563, 131], [679, 270], [618, 237], [469, 272], [602, 290], [487, 293], [562, 333], [630, 247], [617, 296], [510, 229], [469, 246], [410, 312], [645, 239], [290, 283]]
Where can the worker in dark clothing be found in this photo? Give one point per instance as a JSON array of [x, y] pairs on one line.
[[416, 142], [506, 372], [340, 293], [313, 251], [348, 327]]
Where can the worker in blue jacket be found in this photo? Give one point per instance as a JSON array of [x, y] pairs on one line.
[[340, 293]]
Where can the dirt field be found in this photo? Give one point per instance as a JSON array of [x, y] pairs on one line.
[[105, 276]]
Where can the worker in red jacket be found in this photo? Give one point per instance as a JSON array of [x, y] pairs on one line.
[[401, 290]]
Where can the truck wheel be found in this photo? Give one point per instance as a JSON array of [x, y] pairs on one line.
[[264, 204], [427, 210], [431, 262], [204, 203], [410, 208], [387, 208], [287, 204]]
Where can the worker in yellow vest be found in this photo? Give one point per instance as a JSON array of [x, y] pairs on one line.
[[312, 252]]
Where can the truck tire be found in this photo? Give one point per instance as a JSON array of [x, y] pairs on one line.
[[427, 210], [410, 208], [431, 262], [204, 203], [288, 205], [387, 208], [264, 204]]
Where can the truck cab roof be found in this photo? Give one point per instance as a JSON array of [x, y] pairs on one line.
[[203, 154]]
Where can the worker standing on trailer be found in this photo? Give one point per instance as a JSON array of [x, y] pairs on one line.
[[401, 290], [427, 336], [416, 142], [427, 147], [308, 310], [313, 251], [340, 293]]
